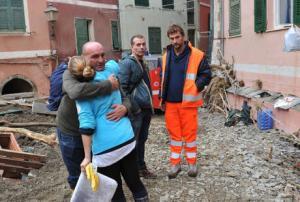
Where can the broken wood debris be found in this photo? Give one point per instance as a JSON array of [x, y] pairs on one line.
[[48, 139], [28, 124], [13, 161], [41, 108], [15, 96]]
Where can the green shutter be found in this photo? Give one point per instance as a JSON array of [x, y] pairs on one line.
[[168, 4], [235, 18], [297, 12], [4, 16], [82, 33], [115, 35], [12, 15], [142, 3], [154, 34], [17, 13], [260, 15]]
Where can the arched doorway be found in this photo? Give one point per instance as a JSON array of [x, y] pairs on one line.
[[17, 85]]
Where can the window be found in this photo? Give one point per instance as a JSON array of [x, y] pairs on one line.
[[283, 12], [12, 16], [82, 33], [234, 17], [142, 3], [287, 12], [154, 34], [190, 12], [260, 16], [168, 4], [296, 12], [115, 35]]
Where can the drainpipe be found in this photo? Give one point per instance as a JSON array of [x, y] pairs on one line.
[[222, 27], [211, 30], [197, 24]]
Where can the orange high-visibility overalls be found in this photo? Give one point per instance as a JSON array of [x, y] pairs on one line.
[[182, 118]]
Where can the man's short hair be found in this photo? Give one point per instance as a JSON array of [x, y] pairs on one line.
[[139, 36], [174, 29]]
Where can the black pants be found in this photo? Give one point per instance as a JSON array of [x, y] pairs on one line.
[[128, 168], [140, 124]]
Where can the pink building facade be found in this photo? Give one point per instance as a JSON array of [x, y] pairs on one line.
[[251, 34], [31, 47]]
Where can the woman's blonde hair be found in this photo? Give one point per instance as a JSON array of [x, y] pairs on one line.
[[78, 66]]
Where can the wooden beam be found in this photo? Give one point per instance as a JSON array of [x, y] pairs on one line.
[[21, 163], [12, 168], [23, 155], [48, 139], [10, 124], [15, 96]]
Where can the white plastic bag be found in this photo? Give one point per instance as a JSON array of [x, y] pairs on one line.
[[84, 193], [292, 39]]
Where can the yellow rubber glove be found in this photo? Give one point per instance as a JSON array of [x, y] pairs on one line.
[[92, 176]]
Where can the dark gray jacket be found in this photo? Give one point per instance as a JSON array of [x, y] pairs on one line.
[[133, 84], [67, 118]]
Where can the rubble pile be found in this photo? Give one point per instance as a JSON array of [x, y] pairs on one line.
[[215, 96]]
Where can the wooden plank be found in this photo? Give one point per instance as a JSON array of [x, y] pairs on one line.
[[21, 163], [23, 155], [12, 168], [10, 174], [15, 96], [11, 111], [8, 141], [41, 108]]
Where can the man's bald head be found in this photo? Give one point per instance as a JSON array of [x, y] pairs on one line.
[[93, 52], [90, 46]]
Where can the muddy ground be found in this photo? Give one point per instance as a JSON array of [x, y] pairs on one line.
[[239, 163]]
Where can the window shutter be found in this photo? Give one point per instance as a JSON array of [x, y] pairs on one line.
[[115, 35], [82, 33], [17, 13], [142, 3], [168, 4], [260, 16], [297, 12], [4, 15], [154, 34], [235, 18]]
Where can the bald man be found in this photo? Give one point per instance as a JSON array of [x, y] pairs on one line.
[[67, 119]]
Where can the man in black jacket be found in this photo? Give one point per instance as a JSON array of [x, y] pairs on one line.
[[135, 82]]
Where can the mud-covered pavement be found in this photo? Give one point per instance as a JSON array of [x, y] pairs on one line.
[[239, 163]]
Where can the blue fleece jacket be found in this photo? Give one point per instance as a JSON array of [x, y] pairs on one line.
[[107, 135]]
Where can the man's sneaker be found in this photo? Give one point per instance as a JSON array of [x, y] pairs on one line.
[[145, 173], [175, 169], [193, 170]]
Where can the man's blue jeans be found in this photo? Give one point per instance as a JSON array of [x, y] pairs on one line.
[[140, 124], [72, 153]]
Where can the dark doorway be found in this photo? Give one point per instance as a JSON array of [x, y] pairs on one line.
[[17, 85]]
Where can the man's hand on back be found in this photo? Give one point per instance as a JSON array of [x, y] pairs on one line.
[[114, 82], [118, 112]]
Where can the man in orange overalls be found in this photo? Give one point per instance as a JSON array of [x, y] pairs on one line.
[[185, 73]]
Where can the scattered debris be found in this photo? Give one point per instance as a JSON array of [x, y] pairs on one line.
[[11, 110], [287, 102], [48, 139], [41, 108], [13, 161], [215, 96], [28, 124], [15, 96]]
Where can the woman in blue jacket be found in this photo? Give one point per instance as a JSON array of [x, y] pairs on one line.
[[112, 143]]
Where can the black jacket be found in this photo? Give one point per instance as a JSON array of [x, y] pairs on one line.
[[133, 85]]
